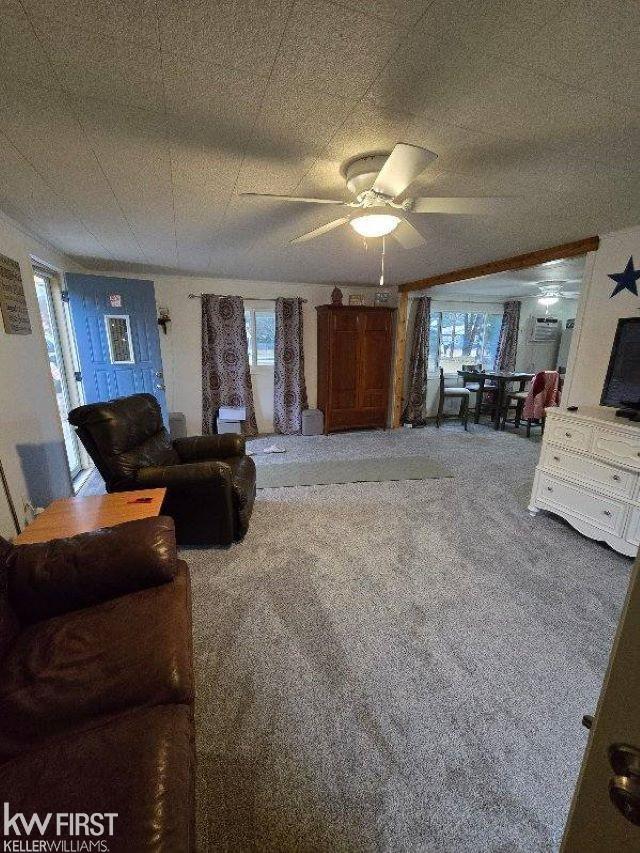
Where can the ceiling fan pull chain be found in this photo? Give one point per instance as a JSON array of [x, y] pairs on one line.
[[382, 263]]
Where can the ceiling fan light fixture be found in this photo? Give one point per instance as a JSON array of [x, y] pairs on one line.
[[548, 300], [375, 224]]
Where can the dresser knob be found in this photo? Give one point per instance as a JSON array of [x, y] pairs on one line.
[[616, 478], [607, 513]]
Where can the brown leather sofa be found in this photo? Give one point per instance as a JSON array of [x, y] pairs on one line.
[[96, 685], [211, 483]]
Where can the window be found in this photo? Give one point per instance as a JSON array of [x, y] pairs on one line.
[[261, 330], [457, 338], [119, 337]]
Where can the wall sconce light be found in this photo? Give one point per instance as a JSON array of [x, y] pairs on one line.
[[164, 319]]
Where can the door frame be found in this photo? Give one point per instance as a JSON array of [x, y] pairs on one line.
[[70, 360]]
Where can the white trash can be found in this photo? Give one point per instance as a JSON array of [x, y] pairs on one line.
[[312, 422], [177, 425]]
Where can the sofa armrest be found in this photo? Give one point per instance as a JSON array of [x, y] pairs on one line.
[[50, 578], [201, 447], [188, 475]]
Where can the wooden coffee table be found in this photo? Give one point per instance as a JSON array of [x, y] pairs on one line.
[[68, 516]]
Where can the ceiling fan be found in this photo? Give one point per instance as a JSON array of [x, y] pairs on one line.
[[551, 292], [377, 181]]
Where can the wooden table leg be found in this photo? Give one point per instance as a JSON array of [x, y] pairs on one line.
[[479, 398], [499, 403]]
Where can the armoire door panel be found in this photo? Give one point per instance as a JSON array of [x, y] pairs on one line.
[[370, 321], [347, 322], [344, 369], [374, 370], [375, 356]]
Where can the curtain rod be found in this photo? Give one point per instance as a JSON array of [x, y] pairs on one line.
[[244, 298]]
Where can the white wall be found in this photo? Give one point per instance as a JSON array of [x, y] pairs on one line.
[[31, 440], [534, 356], [598, 316], [181, 352]]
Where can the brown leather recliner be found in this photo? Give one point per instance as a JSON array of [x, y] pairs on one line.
[[210, 482], [96, 685]]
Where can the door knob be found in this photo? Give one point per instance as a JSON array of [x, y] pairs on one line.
[[624, 785]]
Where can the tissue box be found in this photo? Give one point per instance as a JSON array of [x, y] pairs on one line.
[[231, 413]]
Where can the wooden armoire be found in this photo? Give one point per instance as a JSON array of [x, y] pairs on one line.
[[354, 365]]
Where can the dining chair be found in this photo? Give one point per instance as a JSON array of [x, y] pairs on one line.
[[531, 403], [479, 389], [452, 392]]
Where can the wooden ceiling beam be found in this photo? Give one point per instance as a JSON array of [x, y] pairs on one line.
[[517, 262]]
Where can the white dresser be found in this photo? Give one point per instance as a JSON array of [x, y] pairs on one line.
[[589, 473]]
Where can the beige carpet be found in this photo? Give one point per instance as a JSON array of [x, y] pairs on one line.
[[399, 666]]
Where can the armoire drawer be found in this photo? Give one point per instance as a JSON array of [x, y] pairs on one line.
[[574, 436], [614, 480], [605, 513], [617, 447]]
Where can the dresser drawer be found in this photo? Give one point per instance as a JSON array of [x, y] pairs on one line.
[[574, 436], [612, 480], [617, 447], [633, 527], [604, 513]]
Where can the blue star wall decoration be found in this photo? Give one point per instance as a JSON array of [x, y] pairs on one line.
[[626, 280]]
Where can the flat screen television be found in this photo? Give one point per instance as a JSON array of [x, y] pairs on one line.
[[622, 385]]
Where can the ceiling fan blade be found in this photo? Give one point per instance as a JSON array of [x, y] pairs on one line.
[[318, 232], [401, 168], [408, 235], [303, 199], [467, 206]]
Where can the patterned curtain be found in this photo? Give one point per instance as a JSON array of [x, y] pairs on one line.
[[289, 388], [226, 378], [415, 410], [508, 342]]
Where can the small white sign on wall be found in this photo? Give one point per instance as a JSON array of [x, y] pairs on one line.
[[13, 304], [115, 300]]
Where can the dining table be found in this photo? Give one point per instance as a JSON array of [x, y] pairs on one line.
[[499, 380]]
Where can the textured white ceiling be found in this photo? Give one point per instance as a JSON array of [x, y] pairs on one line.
[[516, 284], [128, 128]]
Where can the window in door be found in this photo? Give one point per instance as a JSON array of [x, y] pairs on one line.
[[261, 329], [119, 338], [57, 366], [458, 337]]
